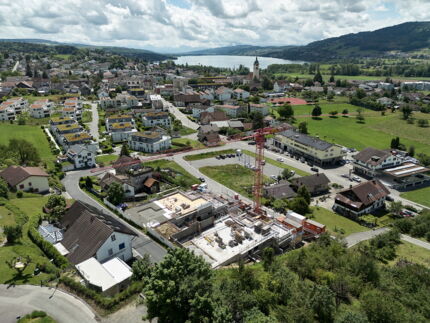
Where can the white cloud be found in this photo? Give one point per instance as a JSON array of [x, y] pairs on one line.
[[199, 23]]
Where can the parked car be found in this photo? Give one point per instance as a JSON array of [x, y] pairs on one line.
[[274, 177], [251, 143], [356, 179], [314, 169], [279, 159], [202, 179]]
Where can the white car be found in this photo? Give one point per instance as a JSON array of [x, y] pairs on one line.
[[279, 159], [357, 179], [274, 177]]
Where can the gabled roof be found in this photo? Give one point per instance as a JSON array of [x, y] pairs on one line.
[[280, 191], [311, 181], [363, 194], [14, 175], [87, 228], [372, 156]]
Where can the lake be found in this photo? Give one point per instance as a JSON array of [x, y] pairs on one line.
[[231, 61]]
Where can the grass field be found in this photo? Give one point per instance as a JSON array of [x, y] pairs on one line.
[[377, 131], [106, 159], [184, 179], [33, 134], [54, 97], [186, 141], [209, 154], [421, 196], [326, 77], [278, 164], [235, 177], [410, 252], [335, 222], [25, 247], [87, 116], [184, 131]]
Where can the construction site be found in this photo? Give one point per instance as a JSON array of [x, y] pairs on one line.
[[223, 229]]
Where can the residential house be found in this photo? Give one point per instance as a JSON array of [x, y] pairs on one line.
[[63, 129], [370, 161], [313, 149], [281, 190], [19, 105], [315, 184], [231, 110], [240, 94], [90, 233], [280, 86], [40, 109], [60, 121], [208, 135], [149, 141], [118, 118], [199, 109], [361, 199], [81, 157], [156, 102], [33, 179], [207, 117], [121, 131], [385, 101], [153, 119], [184, 99], [261, 108], [223, 93], [6, 112], [121, 101]]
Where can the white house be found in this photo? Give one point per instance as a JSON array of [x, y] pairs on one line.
[[240, 94], [32, 179], [150, 142], [153, 119], [121, 131], [224, 93], [6, 112], [156, 102], [198, 109], [40, 109], [370, 161], [81, 157], [262, 108], [17, 104], [118, 118], [230, 110], [121, 101]]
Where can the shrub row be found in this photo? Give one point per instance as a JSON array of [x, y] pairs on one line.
[[48, 249], [33, 315], [104, 302]]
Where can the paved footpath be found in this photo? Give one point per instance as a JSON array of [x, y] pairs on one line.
[[23, 299]]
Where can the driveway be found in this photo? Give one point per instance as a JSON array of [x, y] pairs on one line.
[[142, 244], [23, 299]]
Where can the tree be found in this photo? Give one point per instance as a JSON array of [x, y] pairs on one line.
[[424, 159], [299, 205], [115, 193], [268, 256], [395, 208], [54, 201], [3, 189], [303, 192], [407, 112], [303, 127], [360, 117], [360, 94], [345, 112], [411, 151], [332, 80], [124, 150], [423, 123], [318, 77], [316, 111], [333, 113], [395, 143], [257, 120], [350, 316], [57, 213], [267, 84], [88, 183], [24, 151], [13, 233], [183, 281], [286, 173], [286, 111], [142, 268]]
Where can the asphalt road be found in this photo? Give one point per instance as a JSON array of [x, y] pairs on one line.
[[23, 299], [142, 244], [180, 116]]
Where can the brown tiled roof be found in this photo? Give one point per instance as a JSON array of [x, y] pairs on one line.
[[86, 231], [280, 191], [150, 182], [363, 194], [14, 175], [366, 155], [311, 181]]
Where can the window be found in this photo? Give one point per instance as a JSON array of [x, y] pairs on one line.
[[21, 186], [110, 252], [29, 184], [121, 246], [113, 238]]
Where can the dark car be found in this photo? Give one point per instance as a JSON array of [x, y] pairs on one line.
[[251, 143], [222, 156], [202, 179], [314, 169]]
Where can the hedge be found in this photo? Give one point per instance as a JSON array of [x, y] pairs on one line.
[[48, 249], [104, 302]]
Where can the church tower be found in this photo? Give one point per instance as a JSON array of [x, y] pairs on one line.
[[256, 71]]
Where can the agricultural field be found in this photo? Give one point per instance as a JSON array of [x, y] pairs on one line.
[[376, 131], [420, 196], [33, 134], [336, 223]]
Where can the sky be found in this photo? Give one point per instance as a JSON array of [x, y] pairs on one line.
[[181, 25]]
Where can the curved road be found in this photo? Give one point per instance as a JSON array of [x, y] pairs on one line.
[[24, 299]]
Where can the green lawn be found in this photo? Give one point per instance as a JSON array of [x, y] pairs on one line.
[[209, 154], [187, 142], [326, 77], [184, 131], [33, 134], [278, 164], [106, 159], [410, 252], [87, 116], [377, 131], [53, 97], [421, 196], [236, 177], [31, 207], [335, 222], [183, 178], [30, 318]]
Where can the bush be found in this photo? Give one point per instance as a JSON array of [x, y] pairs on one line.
[[13, 233], [19, 194]]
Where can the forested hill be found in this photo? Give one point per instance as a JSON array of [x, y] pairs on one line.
[[46, 46], [406, 37]]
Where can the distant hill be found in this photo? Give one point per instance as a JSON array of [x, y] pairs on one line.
[[49, 46], [405, 37]]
